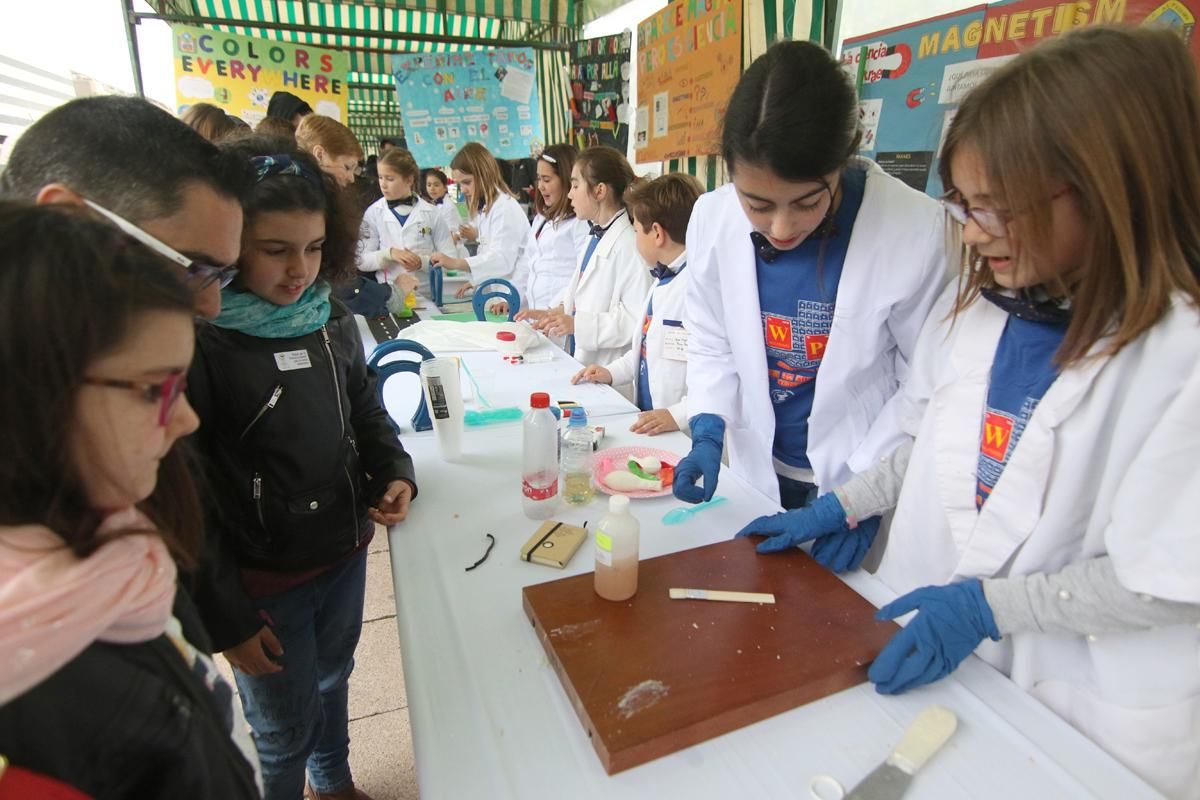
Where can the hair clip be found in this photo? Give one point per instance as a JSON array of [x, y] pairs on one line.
[[268, 166], [486, 553], [549, 158]]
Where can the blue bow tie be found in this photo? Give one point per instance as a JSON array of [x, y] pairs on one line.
[[765, 250], [599, 230], [1047, 312], [660, 271]]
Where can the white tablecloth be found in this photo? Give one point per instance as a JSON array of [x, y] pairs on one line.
[[490, 718]]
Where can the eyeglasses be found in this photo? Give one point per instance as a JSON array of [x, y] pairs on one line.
[[992, 222], [199, 275], [165, 393]]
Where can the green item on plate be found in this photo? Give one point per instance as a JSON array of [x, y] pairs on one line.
[[451, 273]]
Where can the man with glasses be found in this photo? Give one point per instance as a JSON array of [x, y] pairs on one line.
[[146, 172]]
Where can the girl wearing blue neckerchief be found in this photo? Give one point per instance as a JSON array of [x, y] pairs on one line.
[[302, 462]]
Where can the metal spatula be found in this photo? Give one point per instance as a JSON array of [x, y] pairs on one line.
[[924, 737]]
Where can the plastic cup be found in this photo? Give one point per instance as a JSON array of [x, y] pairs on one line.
[[443, 394]]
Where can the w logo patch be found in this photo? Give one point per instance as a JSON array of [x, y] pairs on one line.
[[997, 433], [779, 332]]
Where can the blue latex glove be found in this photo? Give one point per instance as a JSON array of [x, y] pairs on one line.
[[790, 528], [708, 440], [845, 549], [950, 623]]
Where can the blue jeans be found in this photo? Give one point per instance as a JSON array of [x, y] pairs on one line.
[[299, 716]]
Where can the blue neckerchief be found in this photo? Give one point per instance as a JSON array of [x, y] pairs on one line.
[[248, 313], [587, 254]]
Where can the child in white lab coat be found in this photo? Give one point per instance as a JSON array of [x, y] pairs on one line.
[[436, 189], [400, 231], [656, 365], [603, 302], [812, 273], [559, 235], [1048, 505], [498, 224]]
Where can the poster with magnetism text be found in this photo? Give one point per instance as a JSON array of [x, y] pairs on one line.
[[689, 61], [914, 77], [600, 111], [240, 73], [486, 96]]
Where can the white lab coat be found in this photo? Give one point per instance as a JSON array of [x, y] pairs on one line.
[[894, 270], [425, 233], [505, 245], [555, 258], [668, 377], [607, 298], [1107, 465]]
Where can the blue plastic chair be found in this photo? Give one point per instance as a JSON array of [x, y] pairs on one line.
[[503, 290], [420, 419], [435, 285]]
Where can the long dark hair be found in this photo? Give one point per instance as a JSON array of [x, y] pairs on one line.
[[562, 158], [72, 288], [794, 112], [606, 165], [312, 191]]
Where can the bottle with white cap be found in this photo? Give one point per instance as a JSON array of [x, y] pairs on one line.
[[617, 538]]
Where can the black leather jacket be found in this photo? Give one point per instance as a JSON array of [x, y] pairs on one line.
[[296, 448]]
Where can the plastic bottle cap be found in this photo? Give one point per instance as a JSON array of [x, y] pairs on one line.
[[618, 504], [506, 336], [578, 418], [539, 400]]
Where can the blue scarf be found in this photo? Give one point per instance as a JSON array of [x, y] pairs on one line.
[[248, 313]]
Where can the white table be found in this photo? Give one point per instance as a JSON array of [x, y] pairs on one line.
[[491, 719]]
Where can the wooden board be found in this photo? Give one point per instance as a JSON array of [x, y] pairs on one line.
[[651, 675]]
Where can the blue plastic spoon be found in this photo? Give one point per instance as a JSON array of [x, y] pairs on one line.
[[678, 515]]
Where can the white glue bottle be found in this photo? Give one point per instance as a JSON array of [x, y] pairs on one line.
[[617, 551], [539, 470]]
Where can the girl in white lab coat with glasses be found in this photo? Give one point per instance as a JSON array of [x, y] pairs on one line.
[[813, 272], [1050, 494]]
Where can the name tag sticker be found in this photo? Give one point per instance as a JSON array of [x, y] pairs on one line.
[[293, 359], [675, 338]]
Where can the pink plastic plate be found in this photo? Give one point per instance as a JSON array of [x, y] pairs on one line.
[[606, 461]]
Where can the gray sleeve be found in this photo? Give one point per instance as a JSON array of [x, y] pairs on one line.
[[1084, 598], [876, 490]]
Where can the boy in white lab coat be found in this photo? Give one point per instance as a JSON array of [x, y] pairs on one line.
[[656, 365]]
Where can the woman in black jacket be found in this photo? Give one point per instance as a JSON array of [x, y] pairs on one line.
[[104, 681], [303, 462]]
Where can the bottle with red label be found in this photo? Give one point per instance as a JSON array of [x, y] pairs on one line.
[[539, 472]]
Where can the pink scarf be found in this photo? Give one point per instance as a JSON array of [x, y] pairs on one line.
[[53, 604]]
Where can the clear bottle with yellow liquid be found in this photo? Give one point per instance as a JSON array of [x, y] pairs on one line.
[[617, 541], [577, 460]]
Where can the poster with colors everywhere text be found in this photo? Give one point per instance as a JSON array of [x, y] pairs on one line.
[[689, 61], [600, 95], [485, 96], [912, 78], [240, 73]]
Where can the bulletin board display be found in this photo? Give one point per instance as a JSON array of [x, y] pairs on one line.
[[913, 78], [689, 61], [600, 92], [240, 73], [485, 96]]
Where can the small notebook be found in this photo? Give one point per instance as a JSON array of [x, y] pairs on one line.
[[553, 544]]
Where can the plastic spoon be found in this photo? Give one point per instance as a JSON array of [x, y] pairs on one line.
[[678, 515]]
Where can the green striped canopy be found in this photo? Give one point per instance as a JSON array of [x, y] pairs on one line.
[[407, 26]]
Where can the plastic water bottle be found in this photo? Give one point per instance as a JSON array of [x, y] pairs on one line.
[[577, 460], [539, 472], [617, 538]]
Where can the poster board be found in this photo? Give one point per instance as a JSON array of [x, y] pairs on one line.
[[600, 95], [240, 73], [486, 96], [689, 61], [914, 77]]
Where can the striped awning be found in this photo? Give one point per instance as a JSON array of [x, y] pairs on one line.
[[372, 30]]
